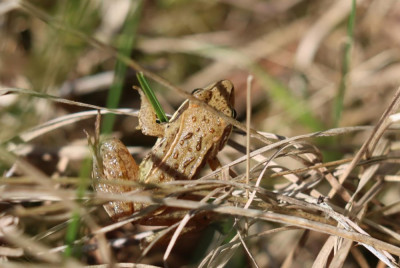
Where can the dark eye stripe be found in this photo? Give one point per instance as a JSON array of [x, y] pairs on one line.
[[222, 89], [226, 91]]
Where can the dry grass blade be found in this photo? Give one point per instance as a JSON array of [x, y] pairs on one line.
[[11, 252], [336, 190], [377, 132], [63, 121], [258, 214], [28, 245]]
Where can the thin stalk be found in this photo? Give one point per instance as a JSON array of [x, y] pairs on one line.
[[338, 106], [127, 41], [75, 222]]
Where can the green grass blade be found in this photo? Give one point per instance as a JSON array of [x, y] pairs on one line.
[[75, 222], [338, 106], [127, 41], [152, 98], [295, 107], [71, 235]]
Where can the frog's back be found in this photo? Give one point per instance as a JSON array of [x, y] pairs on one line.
[[194, 137], [185, 153]]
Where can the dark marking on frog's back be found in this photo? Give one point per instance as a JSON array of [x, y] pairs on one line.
[[188, 161], [198, 145], [188, 136]]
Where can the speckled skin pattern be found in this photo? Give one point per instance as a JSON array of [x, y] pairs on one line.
[[116, 163], [192, 137]]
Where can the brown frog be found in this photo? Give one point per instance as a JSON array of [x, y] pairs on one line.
[[192, 137]]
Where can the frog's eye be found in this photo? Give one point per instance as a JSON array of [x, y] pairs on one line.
[[196, 90], [234, 114]]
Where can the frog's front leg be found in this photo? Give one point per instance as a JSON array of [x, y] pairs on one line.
[[215, 164], [148, 118]]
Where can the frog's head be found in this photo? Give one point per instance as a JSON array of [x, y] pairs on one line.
[[219, 95]]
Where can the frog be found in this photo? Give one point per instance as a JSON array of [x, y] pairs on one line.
[[193, 137]]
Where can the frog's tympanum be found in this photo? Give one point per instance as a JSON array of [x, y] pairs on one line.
[[192, 137]]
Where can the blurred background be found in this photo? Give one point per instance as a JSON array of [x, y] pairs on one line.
[[313, 69], [294, 49]]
